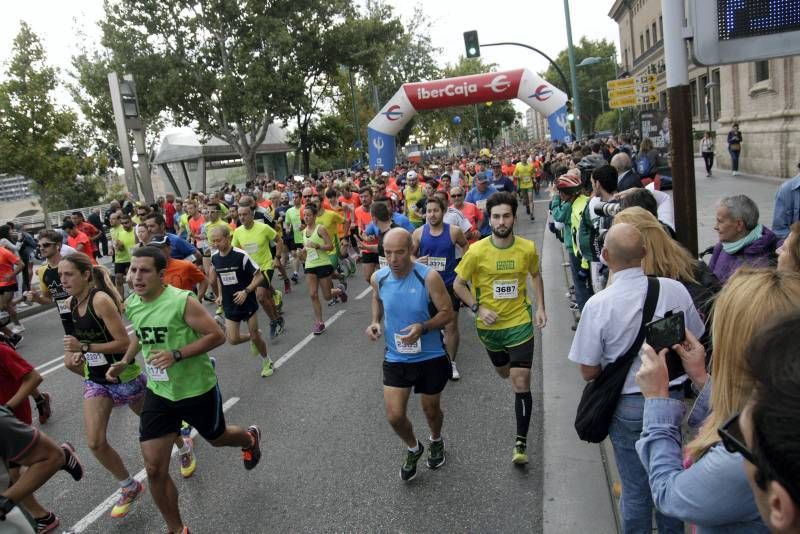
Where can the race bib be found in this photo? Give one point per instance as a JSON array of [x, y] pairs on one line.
[[437, 264], [63, 309], [505, 289], [251, 248], [481, 204], [95, 359], [156, 374], [382, 262], [312, 254], [228, 279], [407, 348]]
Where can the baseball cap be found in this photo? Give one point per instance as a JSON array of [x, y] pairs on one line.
[[384, 174], [411, 175], [158, 240], [481, 177]]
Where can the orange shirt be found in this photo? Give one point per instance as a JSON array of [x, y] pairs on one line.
[[473, 215], [183, 274], [82, 239], [7, 262], [354, 202], [508, 170], [363, 218]]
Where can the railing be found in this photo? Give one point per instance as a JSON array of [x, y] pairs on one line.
[[33, 223]]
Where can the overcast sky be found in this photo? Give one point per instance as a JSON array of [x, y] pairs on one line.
[[537, 23]]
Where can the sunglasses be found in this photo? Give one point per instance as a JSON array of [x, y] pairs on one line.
[[306, 196], [733, 439], [44, 245], [456, 196]]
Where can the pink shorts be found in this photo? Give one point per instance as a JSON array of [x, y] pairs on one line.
[[122, 394]]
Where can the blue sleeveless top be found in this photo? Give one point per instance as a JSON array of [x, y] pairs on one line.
[[405, 302], [441, 252]]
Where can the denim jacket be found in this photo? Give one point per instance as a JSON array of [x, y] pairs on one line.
[[713, 493]]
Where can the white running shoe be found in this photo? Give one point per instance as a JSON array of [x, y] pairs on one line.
[[456, 375]]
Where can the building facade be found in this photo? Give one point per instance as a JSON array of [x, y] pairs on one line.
[[761, 97], [536, 125]]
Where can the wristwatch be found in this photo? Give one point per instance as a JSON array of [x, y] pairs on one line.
[[177, 355], [474, 307], [84, 348]]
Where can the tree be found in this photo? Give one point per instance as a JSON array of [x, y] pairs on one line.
[[38, 139], [591, 77]]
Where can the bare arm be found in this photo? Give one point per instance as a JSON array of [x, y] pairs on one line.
[[108, 313], [459, 238], [590, 372], [27, 386]]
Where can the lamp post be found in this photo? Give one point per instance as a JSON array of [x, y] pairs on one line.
[[602, 102], [576, 100], [709, 94]]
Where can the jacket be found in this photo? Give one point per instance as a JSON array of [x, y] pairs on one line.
[[759, 253]]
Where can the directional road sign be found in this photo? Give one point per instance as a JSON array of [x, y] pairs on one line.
[[633, 91]]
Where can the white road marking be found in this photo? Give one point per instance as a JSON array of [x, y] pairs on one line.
[[364, 293], [303, 342], [128, 329], [103, 507], [48, 364], [52, 369]]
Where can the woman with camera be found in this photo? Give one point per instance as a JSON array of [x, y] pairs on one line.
[[709, 487]]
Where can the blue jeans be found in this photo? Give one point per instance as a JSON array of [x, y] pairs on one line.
[[637, 501], [581, 279], [734, 159]]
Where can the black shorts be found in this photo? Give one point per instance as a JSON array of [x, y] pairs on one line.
[[122, 268], [454, 299], [323, 271], [9, 289], [518, 356], [291, 245], [369, 257], [161, 417], [267, 281], [428, 376], [242, 313]]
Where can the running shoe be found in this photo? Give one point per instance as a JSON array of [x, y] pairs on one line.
[[72, 464], [436, 454], [343, 284], [287, 286], [43, 407], [295, 278], [455, 374], [409, 468], [219, 311], [520, 453], [343, 294], [266, 368], [46, 523], [273, 329], [188, 460], [318, 328], [333, 302], [252, 454], [16, 339], [126, 498], [17, 328], [281, 326]]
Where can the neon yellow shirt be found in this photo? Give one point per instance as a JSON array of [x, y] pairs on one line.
[[498, 277], [524, 172], [255, 242], [331, 221], [128, 239], [412, 197]]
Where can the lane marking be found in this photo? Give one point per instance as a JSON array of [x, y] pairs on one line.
[[364, 293], [48, 364], [52, 369], [305, 341], [128, 329], [103, 507]]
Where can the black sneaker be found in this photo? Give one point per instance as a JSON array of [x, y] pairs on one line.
[[72, 464], [436, 454], [47, 523], [15, 339], [273, 329], [409, 469], [252, 454], [43, 408]]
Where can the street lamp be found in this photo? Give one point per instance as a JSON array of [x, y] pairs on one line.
[[709, 102], [602, 102]]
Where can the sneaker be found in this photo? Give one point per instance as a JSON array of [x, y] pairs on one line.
[[188, 460], [266, 368], [409, 468], [186, 430], [72, 464], [126, 498], [735, 173], [343, 294], [455, 374], [273, 329], [295, 278], [287, 286], [333, 302], [17, 328], [280, 326], [436, 454], [252, 454], [46, 523], [16, 339], [219, 311], [43, 406], [520, 453], [318, 328]]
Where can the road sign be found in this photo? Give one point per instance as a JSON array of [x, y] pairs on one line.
[[622, 102], [633, 91], [620, 83]]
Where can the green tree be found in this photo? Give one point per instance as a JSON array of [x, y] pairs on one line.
[[589, 77], [38, 139]]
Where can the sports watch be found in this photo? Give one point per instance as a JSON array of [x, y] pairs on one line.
[[177, 355], [475, 307], [84, 348]]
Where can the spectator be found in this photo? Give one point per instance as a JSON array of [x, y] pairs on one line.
[[604, 185], [789, 251], [787, 206], [742, 240], [707, 151], [713, 491], [102, 241], [627, 177], [770, 425], [735, 147], [600, 340], [90, 230], [569, 210]]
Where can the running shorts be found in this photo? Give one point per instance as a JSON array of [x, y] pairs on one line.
[[369, 257], [125, 393], [122, 268], [323, 271], [516, 356], [427, 377], [18, 438], [242, 313], [161, 417]]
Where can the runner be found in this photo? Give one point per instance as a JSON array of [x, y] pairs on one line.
[[468, 210], [293, 234], [236, 277], [100, 340], [524, 173], [175, 334], [369, 259], [478, 196], [403, 295], [182, 274], [377, 230], [317, 247], [123, 240], [435, 246], [497, 269], [10, 267], [412, 194], [78, 240], [255, 238]]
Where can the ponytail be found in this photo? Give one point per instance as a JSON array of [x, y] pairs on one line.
[[102, 281]]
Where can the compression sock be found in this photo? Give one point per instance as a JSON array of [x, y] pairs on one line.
[[522, 407]]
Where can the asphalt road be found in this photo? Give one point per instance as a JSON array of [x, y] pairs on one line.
[[331, 460]]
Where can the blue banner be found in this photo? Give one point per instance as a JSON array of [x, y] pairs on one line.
[[381, 149], [559, 126]]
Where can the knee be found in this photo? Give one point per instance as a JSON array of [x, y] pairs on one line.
[[395, 417], [432, 410], [502, 372], [156, 471], [96, 443], [314, 296]]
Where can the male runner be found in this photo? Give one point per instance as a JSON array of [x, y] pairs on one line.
[[403, 296], [497, 269], [435, 246], [369, 259], [175, 333], [412, 194], [123, 240], [524, 173], [293, 234]]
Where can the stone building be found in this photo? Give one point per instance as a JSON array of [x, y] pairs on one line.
[[762, 96]]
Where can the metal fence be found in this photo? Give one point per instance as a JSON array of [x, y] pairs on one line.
[[34, 223]]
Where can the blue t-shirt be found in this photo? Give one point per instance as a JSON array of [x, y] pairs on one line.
[[479, 199], [405, 302], [180, 247], [402, 221]]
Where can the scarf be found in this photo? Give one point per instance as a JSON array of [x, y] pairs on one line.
[[735, 246]]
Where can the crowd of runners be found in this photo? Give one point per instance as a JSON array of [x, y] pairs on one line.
[[431, 240]]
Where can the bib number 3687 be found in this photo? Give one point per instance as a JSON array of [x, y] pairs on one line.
[[505, 289]]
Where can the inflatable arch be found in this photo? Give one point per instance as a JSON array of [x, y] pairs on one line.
[[463, 90]]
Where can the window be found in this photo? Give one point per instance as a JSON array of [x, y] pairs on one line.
[[761, 71], [693, 97], [641, 43], [661, 26], [715, 94], [704, 99], [647, 38], [655, 35]]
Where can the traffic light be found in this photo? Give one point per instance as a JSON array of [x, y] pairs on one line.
[[570, 114], [471, 44]]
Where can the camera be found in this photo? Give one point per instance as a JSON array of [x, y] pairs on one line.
[[607, 209]]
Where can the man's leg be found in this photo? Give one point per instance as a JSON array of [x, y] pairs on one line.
[[156, 453], [431, 406], [395, 401], [234, 334], [580, 279]]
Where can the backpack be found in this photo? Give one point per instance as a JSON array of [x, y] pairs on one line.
[[643, 165]]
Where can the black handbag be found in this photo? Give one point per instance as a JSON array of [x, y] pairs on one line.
[[601, 395]]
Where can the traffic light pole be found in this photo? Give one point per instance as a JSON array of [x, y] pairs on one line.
[[576, 101]]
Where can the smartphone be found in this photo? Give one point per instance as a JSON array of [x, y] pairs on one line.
[[663, 334]]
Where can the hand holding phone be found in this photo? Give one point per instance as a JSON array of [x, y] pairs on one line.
[[663, 334]]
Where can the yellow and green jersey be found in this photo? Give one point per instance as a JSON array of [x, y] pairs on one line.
[[524, 172]]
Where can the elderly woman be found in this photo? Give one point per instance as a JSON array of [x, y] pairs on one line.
[[742, 240]]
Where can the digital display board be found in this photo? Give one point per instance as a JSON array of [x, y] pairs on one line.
[[749, 18]]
